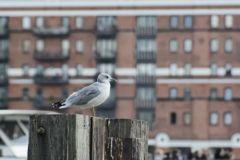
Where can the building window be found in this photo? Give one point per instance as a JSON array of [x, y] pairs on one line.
[[214, 45], [147, 116], [173, 118], [26, 46], [79, 46], [228, 70], [187, 69], [65, 46], [106, 48], [173, 45], [187, 118], [65, 21], [3, 71], [146, 45], [26, 22], [3, 22], [173, 93], [39, 45], [173, 22], [214, 69], [79, 22], [147, 22], [39, 93], [228, 45], [213, 94], [214, 118], [40, 22], [187, 93], [25, 95], [187, 45], [39, 70], [106, 68], [3, 45], [228, 21], [173, 69], [146, 69], [228, 118], [145, 93], [228, 94], [25, 69], [104, 23], [214, 21], [79, 69], [188, 22]]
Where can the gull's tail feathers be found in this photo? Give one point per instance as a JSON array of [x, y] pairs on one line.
[[59, 105]]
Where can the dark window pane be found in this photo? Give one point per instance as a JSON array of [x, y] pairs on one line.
[[173, 118]]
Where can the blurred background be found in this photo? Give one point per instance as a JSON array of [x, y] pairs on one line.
[[177, 63]]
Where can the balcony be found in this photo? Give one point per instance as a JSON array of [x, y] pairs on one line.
[[3, 103], [145, 103], [40, 103], [146, 80], [106, 58], [3, 32], [106, 31], [3, 80], [146, 57], [50, 80], [146, 32], [61, 31], [3, 56], [51, 57]]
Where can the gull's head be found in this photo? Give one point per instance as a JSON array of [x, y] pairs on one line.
[[104, 78]]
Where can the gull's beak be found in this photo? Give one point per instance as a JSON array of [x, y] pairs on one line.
[[113, 79]]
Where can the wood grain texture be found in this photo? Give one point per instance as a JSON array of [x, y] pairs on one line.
[[59, 137], [79, 137], [126, 139], [98, 138]]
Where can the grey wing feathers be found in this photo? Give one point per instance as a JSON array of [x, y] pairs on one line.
[[84, 95]]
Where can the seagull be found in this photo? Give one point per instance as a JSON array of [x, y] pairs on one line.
[[90, 96]]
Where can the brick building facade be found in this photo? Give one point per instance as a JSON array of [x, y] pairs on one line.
[[178, 64]]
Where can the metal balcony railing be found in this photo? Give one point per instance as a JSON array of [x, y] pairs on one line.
[[145, 103], [3, 102], [146, 57], [52, 80], [48, 57], [51, 31], [4, 55], [106, 31], [41, 103], [106, 58], [146, 80], [146, 32], [4, 31], [3, 79]]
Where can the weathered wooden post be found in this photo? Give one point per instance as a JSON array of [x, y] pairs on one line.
[[126, 139], [79, 137], [59, 137]]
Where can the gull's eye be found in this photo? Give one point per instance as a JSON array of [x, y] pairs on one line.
[[106, 76]]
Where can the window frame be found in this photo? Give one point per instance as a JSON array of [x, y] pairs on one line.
[[211, 44], [224, 116], [210, 122], [170, 22]]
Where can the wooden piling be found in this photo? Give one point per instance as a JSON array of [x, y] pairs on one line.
[[79, 137]]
